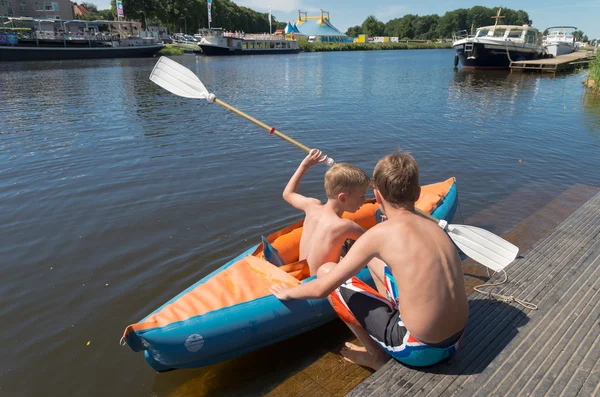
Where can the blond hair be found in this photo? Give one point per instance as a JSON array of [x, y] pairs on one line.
[[344, 178], [396, 177]]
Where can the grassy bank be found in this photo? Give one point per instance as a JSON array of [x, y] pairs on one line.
[[171, 50], [318, 47], [594, 74]]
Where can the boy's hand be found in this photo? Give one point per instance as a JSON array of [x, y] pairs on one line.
[[280, 291], [314, 157]]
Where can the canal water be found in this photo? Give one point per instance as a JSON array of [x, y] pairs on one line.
[[116, 195]]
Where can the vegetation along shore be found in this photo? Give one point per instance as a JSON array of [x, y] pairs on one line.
[[593, 81], [321, 47]]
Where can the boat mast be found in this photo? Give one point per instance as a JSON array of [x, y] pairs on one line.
[[497, 17]]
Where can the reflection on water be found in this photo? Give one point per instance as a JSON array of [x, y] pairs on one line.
[[479, 95], [116, 194]]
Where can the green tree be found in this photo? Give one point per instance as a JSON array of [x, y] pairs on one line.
[[402, 27], [479, 16], [578, 34], [354, 31], [373, 27], [451, 22], [90, 6], [425, 27]]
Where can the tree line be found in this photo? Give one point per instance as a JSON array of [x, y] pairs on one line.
[[431, 27], [191, 14]]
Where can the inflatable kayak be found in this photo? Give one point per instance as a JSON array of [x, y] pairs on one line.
[[231, 312]]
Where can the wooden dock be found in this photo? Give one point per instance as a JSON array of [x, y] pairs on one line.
[[562, 63], [510, 350]]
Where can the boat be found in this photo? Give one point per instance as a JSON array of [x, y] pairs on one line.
[[230, 311], [560, 40], [39, 39], [496, 46], [216, 41]]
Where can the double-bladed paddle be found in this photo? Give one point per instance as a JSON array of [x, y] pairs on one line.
[[484, 247]]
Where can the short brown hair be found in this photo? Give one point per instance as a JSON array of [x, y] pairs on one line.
[[343, 177], [396, 176]]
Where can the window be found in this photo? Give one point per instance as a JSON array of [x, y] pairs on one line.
[[51, 6], [23, 6], [499, 32], [515, 34], [531, 37], [482, 32]]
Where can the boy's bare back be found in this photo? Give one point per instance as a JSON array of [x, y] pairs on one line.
[[428, 274], [323, 236]]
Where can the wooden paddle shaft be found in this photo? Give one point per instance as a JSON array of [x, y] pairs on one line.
[[426, 215], [271, 130]]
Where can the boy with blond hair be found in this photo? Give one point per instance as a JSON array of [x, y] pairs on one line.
[[419, 313], [325, 231]]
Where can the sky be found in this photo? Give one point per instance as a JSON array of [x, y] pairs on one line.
[[584, 14]]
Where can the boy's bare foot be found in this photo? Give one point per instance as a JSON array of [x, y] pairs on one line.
[[359, 355]]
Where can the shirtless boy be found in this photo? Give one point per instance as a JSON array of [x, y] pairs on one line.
[[324, 231], [420, 311]]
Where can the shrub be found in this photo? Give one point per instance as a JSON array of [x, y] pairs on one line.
[[169, 50]]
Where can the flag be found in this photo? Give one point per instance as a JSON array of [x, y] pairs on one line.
[[119, 8], [209, 2]]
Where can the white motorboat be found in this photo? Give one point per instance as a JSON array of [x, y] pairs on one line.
[[560, 40], [494, 47]]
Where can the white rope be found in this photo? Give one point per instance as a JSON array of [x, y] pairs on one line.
[[507, 53], [504, 298]]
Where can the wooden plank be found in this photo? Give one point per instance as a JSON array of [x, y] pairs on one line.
[[584, 370], [480, 324], [503, 363], [561, 274], [591, 387], [529, 356]]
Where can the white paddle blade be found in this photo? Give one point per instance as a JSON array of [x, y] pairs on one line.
[[178, 79], [483, 246]]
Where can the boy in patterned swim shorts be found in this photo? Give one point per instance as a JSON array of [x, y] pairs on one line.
[[419, 311]]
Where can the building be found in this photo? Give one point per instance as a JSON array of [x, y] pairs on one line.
[[56, 9]]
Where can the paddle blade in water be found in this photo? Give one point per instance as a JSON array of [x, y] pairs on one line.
[[483, 246], [177, 79]]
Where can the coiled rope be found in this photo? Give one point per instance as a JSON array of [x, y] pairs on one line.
[[503, 298]]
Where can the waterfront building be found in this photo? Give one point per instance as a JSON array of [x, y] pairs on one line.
[[55, 9]]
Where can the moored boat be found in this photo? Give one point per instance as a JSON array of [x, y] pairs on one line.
[[53, 40], [560, 40], [496, 46], [231, 312], [218, 42]]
